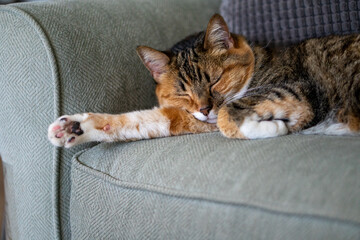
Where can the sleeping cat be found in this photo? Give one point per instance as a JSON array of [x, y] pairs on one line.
[[215, 80]]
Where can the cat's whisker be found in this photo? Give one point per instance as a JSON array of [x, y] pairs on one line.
[[230, 99]]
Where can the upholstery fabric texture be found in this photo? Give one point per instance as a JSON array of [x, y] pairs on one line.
[[290, 21], [207, 187], [64, 57]]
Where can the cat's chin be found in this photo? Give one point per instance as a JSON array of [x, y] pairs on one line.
[[212, 121], [211, 118]]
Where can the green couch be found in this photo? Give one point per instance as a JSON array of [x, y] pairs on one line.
[[66, 57]]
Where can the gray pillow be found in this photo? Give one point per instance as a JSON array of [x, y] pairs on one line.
[[289, 21]]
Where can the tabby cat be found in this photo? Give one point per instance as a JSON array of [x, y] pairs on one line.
[[215, 80]]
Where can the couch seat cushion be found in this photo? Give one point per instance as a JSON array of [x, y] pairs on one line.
[[306, 175]]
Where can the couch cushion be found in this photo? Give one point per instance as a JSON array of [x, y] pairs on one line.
[[312, 176], [290, 21]]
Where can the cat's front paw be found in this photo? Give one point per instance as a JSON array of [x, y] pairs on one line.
[[67, 131]]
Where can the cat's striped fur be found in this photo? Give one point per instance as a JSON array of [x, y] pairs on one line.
[[249, 91]]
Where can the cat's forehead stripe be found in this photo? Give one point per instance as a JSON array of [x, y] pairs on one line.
[[182, 77], [188, 67]]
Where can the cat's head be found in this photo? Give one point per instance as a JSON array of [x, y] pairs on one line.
[[202, 72]]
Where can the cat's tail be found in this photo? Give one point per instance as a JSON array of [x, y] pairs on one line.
[[346, 119], [330, 126]]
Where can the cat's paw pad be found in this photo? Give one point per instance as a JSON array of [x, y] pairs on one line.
[[66, 131]]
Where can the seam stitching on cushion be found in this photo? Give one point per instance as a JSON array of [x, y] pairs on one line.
[[55, 75]]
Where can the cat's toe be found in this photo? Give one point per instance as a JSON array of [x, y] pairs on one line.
[[56, 136]]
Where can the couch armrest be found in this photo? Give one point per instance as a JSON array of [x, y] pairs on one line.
[[65, 57]]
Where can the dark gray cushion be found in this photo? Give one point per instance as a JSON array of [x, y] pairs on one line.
[[290, 21]]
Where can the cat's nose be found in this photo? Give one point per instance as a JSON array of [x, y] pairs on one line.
[[205, 110]]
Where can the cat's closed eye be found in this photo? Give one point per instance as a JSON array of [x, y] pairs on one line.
[[183, 95]]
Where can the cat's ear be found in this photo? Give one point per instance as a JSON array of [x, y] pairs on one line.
[[217, 34], [156, 61]]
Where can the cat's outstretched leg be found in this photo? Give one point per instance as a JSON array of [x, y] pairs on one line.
[[69, 131], [264, 116]]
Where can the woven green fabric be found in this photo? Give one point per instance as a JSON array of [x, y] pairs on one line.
[[64, 57], [208, 187], [27, 104]]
